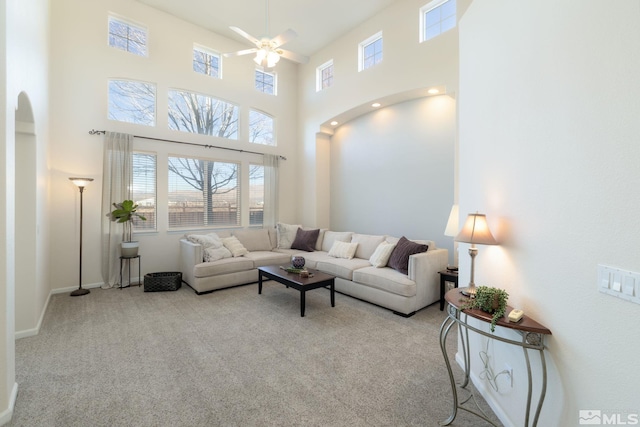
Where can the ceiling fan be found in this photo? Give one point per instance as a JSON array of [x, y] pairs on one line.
[[267, 50]]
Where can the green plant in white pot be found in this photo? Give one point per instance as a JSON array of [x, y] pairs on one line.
[[124, 213]]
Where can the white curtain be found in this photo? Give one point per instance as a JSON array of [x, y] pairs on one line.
[[270, 213], [117, 174]]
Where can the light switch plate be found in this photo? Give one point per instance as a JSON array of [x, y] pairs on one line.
[[619, 283]]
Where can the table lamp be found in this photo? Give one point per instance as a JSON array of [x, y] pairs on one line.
[[475, 230]]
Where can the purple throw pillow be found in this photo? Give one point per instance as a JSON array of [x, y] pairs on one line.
[[305, 240], [399, 259]]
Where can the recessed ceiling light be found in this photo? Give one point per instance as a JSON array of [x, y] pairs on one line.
[[375, 104], [333, 123], [433, 91]]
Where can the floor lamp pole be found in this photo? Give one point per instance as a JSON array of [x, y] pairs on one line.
[[80, 182]]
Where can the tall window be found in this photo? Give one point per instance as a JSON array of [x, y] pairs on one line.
[[206, 62], [203, 193], [144, 190], [196, 113], [437, 17], [370, 52], [324, 76], [132, 102], [261, 128], [127, 36], [266, 82], [256, 195]]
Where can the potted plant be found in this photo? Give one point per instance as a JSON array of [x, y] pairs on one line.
[[124, 213], [490, 300]]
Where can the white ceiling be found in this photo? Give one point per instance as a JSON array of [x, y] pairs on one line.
[[316, 22]]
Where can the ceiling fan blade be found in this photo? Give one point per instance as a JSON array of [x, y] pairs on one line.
[[240, 52], [281, 39], [246, 35], [292, 56]]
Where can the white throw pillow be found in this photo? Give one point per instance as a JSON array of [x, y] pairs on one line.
[[286, 234], [343, 250], [206, 240], [235, 247], [380, 256], [211, 254]]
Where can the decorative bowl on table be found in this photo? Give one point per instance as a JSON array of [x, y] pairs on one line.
[[297, 261]]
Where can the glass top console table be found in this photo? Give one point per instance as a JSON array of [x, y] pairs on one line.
[[531, 332]]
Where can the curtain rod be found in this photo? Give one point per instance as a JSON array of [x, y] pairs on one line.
[[97, 132]]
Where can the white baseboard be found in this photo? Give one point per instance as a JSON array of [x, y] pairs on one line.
[[7, 414], [73, 288], [490, 399]]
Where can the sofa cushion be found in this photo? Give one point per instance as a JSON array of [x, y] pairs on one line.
[[341, 267], [214, 254], [305, 240], [223, 266], [262, 258], [235, 247], [385, 279], [256, 239], [343, 250], [381, 255], [286, 234], [332, 236], [399, 259], [367, 244], [311, 258]]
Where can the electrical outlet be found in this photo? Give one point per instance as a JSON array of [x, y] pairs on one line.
[[509, 369]]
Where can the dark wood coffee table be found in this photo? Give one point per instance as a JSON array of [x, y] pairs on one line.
[[319, 280]]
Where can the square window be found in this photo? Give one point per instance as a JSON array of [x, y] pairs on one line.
[[437, 17], [206, 62], [265, 82]]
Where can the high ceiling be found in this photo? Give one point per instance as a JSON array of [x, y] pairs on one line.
[[316, 22]]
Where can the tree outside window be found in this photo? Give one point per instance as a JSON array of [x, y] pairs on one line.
[[196, 113], [261, 128]]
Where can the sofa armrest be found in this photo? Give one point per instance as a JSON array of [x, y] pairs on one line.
[[423, 269], [190, 255]]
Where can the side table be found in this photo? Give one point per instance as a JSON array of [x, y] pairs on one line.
[[128, 259], [446, 276]]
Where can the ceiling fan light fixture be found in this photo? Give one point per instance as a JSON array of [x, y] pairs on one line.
[[272, 59]]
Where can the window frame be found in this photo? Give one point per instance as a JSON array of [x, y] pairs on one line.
[[366, 43], [130, 24], [211, 54], [274, 75], [320, 76], [234, 137], [434, 4]]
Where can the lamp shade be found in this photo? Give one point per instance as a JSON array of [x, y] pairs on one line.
[[81, 182], [452, 223], [476, 230]]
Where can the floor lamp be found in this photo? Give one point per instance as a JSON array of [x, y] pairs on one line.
[[475, 230], [80, 183]]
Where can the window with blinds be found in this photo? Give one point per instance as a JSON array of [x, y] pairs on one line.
[[256, 195], [203, 193], [144, 190]]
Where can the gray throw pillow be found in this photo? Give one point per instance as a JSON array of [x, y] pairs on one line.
[[399, 259], [305, 240]]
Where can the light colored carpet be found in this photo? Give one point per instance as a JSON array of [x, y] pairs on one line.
[[232, 358]]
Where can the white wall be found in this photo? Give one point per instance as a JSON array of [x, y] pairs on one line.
[[82, 65], [392, 170], [548, 122], [407, 67], [23, 70]]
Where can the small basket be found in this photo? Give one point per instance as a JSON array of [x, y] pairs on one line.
[[155, 282]]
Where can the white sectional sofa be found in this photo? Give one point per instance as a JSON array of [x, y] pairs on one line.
[[387, 287]]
